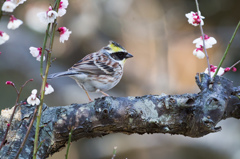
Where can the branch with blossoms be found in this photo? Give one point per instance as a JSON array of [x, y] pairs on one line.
[[205, 42], [192, 115], [10, 83], [48, 17], [8, 7]]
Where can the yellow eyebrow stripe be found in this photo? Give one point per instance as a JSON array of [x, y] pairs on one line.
[[115, 48]]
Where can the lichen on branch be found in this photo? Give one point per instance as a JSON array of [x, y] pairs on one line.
[[193, 115]]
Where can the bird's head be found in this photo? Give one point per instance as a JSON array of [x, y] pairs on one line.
[[117, 52]]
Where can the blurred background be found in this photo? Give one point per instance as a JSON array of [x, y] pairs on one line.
[[157, 34]]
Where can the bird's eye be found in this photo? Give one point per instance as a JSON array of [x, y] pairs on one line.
[[120, 55]]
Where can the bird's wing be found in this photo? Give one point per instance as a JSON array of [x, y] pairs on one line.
[[95, 64]]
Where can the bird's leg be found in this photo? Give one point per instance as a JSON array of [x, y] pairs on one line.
[[104, 93], [90, 100]]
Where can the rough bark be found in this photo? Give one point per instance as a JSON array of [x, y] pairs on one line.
[[193, 115]]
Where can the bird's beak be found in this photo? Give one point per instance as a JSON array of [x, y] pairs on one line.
[[129, 55]]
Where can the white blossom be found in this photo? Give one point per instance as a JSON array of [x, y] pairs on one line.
[[17, 2], [14, 23], [62, 7], [213, 70], [36, 52], [48, 16], [209, 41], [32, 99], [195, 18], [8, 6], [48, 89], [198, 52], [3, 37], [64, 34]]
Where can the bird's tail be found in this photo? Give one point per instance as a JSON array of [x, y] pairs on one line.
[[62, 74]]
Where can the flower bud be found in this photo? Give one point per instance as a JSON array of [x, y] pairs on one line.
[[227, 69], [9, 83], [234, 69]]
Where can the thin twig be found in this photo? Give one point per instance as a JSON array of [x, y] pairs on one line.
[[40, 106], [8, 126], [14, 110], [43, 49], [45, 77], [226, 51], [21, 88], [28, 132], [232, 67], [203, 37], [69, 142], [16, 91], [40, 145], [234, 64]]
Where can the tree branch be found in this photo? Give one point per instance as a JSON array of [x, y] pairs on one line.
[[193, 115]]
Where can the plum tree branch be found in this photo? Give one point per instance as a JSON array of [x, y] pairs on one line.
[[193, 115]]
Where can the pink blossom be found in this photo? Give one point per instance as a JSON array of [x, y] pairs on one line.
[[64, 34], [36, 52], [195, 18]]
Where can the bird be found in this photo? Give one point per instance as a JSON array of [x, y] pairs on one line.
[[98, 71]]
